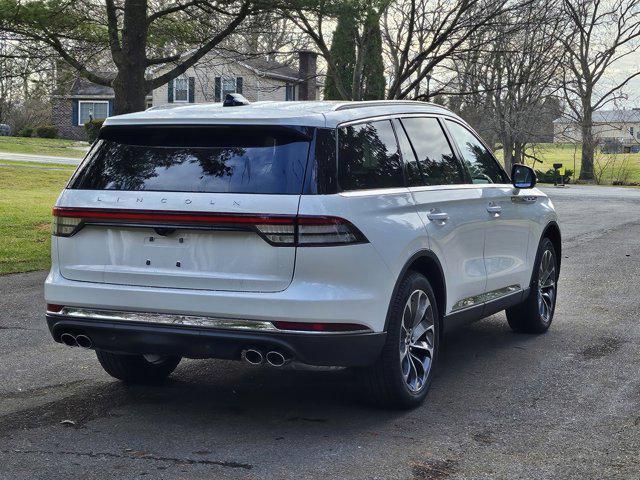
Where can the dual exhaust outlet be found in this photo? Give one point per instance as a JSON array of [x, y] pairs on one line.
[[76, 340], [274, 358]]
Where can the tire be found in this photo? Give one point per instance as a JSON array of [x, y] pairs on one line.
[[401, 376], [535, 313], [137, 368]]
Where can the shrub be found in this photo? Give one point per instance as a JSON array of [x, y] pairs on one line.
[[550, 176], [26, 132], [92, 128], [47, 131]]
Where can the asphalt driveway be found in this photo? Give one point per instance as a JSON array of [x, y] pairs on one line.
[[561, 405]]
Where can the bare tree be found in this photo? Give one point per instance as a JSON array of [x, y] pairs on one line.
[[602, 33], [26, 78], [518, 69], [134, 36], [422, 34]]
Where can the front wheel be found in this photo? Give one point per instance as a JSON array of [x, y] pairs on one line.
[[137, 368], [535, 314], [402, 374]]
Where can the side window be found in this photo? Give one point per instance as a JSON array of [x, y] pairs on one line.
[[436, 160], [414, 177], [482, 165], [368, 157]]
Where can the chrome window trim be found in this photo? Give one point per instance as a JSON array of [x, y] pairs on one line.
[[185, 321]]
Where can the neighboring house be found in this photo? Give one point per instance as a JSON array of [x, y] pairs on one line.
[[77, 100], [613, 129]]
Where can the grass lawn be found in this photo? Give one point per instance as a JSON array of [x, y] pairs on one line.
[[27, 194], [611, 165], [56, 147]]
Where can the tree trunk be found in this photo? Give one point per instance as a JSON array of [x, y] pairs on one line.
[[130, 86], [130, 90], [507, 151], [518, 153], [588, 144]]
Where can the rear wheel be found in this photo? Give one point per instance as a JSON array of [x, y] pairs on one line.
[[535, 314], [402, 374], [137, 368]]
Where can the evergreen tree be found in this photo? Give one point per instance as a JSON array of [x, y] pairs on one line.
[[373, 80], [343, 53]]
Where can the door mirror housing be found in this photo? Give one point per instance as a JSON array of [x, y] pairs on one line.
[[523, 176]]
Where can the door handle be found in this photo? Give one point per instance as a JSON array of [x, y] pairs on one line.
[[440, 217], [494, 209]]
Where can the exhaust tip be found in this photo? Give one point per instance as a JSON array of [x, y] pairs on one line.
[[68, 340], [254, 357], [84, 341], [276, 359]]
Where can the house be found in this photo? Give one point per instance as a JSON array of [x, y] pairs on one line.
[[614, 130], [77, 100]]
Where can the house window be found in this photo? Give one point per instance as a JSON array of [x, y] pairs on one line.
[[290, 92], [228, 86], [181, 90], [89, 110]]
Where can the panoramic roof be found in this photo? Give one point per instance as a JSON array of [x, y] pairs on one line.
[[302, 113]]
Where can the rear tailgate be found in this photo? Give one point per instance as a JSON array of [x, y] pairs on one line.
[[210, 209]]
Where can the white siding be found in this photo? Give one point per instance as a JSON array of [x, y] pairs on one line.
[[570, 132], [255, 87]]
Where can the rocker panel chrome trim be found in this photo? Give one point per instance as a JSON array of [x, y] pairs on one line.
[[485, 297]]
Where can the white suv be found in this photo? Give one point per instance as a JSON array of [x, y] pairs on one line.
[[332, 234]]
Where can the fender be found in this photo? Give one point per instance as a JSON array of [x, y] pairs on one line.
[[443, 293]]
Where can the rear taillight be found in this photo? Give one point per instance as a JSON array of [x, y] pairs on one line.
[[54, 308], [64, 226], [325, 231], [277, 230]]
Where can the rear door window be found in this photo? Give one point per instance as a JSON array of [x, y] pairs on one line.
[[436, 161], [197, 159], [482, 165], [368, 157]]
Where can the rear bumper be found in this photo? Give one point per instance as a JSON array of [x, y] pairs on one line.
[[353, 349]]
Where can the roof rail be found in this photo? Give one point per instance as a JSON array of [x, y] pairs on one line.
[[378, 103]]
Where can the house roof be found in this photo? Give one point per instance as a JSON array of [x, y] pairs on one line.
[[83, 87], [301, 113], [270, 68], [609, 116]]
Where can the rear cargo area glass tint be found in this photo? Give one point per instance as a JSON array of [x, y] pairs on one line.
[[230, 159]]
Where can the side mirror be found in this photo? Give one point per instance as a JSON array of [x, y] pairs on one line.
[[523, 176]]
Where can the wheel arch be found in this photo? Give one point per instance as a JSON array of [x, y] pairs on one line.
[[552, 231], [427, 263]]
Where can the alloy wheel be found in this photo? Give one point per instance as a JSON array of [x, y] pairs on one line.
[[547, 285], [417, 340]]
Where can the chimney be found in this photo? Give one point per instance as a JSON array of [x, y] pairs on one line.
[[307, 61]]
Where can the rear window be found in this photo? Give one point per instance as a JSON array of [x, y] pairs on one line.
[[233, 159]]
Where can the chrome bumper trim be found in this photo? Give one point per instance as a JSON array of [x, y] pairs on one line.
[[184, 320]]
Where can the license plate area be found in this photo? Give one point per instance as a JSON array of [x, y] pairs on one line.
[[168, 250]]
